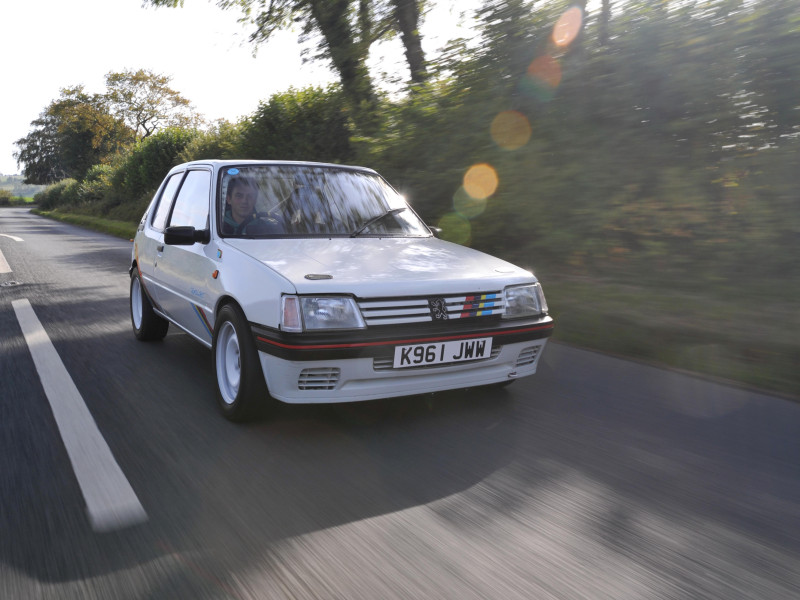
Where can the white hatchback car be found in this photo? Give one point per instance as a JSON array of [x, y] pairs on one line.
[[316, 283]]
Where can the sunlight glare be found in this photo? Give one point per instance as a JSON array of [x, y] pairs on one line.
[[542, 78], [480, 181], [467, 206], [545, 69], [510, 130], [567, 27]]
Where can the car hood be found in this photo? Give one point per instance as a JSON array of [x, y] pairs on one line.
[[369, 266]]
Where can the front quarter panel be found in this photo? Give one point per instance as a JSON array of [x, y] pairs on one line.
[[255, 287]]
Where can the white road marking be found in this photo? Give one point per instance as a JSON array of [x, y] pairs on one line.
[[12, 237], [4, 267], [111, 502]]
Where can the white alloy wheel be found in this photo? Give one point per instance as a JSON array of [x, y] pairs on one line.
[[147, 325], [229, 365], [241, 389], [136, 303]]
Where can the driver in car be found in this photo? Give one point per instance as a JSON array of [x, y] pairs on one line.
[[240, 216]]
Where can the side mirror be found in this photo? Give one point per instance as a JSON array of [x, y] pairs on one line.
[[186, 236]]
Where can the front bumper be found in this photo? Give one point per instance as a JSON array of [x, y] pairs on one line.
[[328, 369]]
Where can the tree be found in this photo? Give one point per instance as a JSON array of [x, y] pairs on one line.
[[38, 152], [73, 133], [406, 18], [340, 42], [80, 130], [346, 29], [146, 103]]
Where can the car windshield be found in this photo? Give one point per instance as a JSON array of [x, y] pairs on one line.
[[308, 200]]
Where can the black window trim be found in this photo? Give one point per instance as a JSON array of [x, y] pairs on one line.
[[183, 175], [164, 186], [180, 187]]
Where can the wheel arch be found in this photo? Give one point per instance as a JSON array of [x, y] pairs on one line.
[[224, 301]]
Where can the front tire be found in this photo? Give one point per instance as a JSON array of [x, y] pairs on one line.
[[241, 388], [147, 325]]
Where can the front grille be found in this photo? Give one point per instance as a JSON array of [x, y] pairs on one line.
[[319, 378], [386, 363], [420, 309], [528, 356]]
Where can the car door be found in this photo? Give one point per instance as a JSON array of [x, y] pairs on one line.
[[183, 272]]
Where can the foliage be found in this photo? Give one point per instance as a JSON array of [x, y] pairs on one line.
[[63, 193], [299, 124], [80, 130], [144, 100], [8, 199], [137, 176], [98, 184], [71, 134], [220, 141], [122, 189], [641, 163]]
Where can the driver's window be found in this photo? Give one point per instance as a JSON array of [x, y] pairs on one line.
[[191, 205]]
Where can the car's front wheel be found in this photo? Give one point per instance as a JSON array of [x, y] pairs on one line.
[[241, 389], [147, 325]]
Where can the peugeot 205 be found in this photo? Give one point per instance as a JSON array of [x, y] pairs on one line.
[[315, 283]]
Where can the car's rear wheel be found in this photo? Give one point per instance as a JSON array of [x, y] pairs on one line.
[[147, 325], [241, 389]]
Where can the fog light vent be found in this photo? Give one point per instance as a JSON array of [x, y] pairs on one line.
[[528, 356], [319, 378], [383, 364]]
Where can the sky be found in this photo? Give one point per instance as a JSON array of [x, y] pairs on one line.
[[47, 45]]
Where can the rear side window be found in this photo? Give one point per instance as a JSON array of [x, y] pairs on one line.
[[162, 212], [191, 206]]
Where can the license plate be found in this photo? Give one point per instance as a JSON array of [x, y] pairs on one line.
[[420, 355]]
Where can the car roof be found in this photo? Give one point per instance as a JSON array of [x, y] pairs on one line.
[[221, 164]]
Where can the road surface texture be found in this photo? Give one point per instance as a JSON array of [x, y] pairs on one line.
[[597, 478]]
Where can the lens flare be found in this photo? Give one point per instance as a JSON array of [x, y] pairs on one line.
[[568, 27], [545, 69], [467, 206], [542, 78], [510, 130], [481, 181], [455, 228]]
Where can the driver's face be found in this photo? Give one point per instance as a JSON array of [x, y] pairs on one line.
[[242, 200]]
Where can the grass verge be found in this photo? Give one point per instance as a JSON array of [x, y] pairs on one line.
[[120, 229], [706, 332]]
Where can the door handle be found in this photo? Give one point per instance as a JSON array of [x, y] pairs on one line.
[[160, 248]]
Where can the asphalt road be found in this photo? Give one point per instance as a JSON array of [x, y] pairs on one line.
[[597, 478]]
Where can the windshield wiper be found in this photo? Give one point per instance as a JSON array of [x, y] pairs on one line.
[[374, 220]]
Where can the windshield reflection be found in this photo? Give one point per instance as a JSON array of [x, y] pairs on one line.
[[303, 200]]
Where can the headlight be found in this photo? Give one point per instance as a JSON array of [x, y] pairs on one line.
[[303, 313], [524, 301]]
